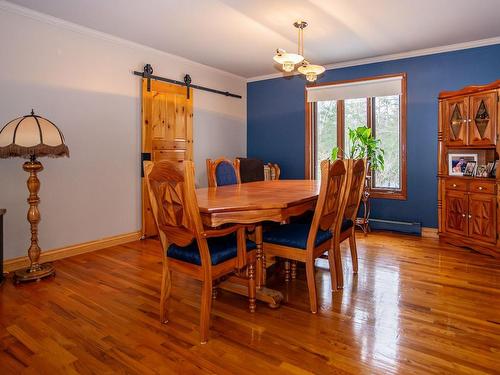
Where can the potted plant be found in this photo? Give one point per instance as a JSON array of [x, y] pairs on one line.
[[364, 145]]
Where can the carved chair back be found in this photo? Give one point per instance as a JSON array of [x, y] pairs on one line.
[[173, 201], [222, 172], [331, 200], [355, 188]]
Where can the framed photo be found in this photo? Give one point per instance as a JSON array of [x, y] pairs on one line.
[[470, 168], [458, 162], [489, 168], [481, 171]]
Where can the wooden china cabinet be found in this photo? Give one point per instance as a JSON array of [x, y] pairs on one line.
[[468, 207]]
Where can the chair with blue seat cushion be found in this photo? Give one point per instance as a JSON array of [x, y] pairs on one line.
[[202, 253], [221, 172], [354, 192], [304, 242], [220, 248], [295, 235]]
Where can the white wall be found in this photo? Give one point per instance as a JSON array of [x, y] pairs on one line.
[[82, 81]]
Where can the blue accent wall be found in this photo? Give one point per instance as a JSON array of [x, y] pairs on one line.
[[276, 120]]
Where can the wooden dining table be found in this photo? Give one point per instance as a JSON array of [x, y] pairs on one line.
[[254, 203]]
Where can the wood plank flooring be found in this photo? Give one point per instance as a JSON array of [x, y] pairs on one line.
[[416, 307]]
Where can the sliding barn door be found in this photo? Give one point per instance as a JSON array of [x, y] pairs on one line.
[[167, 133]]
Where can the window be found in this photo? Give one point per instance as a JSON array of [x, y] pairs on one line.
[[377, 102]]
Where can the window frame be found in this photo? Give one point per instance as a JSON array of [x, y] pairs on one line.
[[311, 133]]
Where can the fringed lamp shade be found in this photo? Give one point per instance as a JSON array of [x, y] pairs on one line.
[[31, 136]]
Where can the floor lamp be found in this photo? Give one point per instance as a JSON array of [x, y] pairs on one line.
[[30, 137]]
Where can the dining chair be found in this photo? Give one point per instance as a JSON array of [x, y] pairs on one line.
[[306, 241], [222, 172], [251, 169], [188, 247], [347, 228], [274, 171]]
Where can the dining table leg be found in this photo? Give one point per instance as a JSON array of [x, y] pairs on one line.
[[260, 258], [238, 284]]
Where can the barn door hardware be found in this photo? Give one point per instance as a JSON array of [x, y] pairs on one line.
[[148, 74]]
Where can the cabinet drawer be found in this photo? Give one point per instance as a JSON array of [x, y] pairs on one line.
[[487, 187], [456, 184]]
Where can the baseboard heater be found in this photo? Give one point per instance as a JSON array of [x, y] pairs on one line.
[[396, 226]]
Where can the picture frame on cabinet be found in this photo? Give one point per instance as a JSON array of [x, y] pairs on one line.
[[494, 170], [489, 168], [481, 171], [457, 163], [470, 168]]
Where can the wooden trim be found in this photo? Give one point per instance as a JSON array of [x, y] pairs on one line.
[[340, 126], [400, 194], [429, 232], [470, 90], [69, 251], [369, 112], [309, 145]]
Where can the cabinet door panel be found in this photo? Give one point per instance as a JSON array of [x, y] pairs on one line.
[[483, 116], [456, 212], [455, 112], [482, 217]]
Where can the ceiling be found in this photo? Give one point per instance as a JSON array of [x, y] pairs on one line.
[[240, 36]]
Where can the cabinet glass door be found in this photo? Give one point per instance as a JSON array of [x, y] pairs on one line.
[[482, 127], [455, 112]]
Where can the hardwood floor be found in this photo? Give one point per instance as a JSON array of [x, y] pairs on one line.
[[416, 307]]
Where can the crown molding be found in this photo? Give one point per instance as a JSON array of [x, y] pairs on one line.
[[58, 22], [394, 56]]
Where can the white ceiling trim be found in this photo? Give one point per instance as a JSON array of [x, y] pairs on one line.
[[26, 12], [394, 56]]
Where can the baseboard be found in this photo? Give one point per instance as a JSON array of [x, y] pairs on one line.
[[396, 226], [429, 232], [69, 251]]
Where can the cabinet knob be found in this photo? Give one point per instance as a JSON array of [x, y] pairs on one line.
[[480, 188], [463, 215], [454, 185], [470, 216]]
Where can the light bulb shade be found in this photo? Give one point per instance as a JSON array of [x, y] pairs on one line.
[[288, 67], [309, 69], [31, 135], [283, 58]]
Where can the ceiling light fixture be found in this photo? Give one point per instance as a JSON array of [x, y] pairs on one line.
[[289, 60]]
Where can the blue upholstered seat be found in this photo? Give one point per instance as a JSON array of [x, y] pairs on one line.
[[225, 174], [308, 216], [221, 249], [295, 235], [346, 224]]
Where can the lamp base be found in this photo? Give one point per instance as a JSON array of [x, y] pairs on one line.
[[27, 274]]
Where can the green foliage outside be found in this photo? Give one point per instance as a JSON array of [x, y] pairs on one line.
[[359, 140]]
